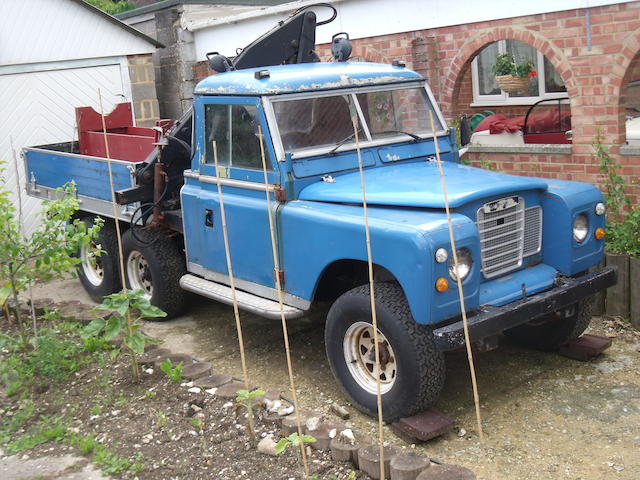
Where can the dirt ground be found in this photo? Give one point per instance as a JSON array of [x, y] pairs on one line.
[[544, 416]]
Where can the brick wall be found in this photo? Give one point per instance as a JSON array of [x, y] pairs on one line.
[[143, 89], [595, 78]]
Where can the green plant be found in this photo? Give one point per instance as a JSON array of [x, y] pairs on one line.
[[174, 373], [129, 307], [46, 430], [506, 64], [296, 441], [246, 398], [96, 410], [46, 253], [109, 462], [623, 218], [161, 419], [112, 7]]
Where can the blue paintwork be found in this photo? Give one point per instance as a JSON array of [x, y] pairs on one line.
[[418, 185], [54, 169], [322, 223], [509, 287], [304, 77]]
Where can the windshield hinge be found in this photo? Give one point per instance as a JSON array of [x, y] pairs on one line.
[[279, 194], [279, 275]]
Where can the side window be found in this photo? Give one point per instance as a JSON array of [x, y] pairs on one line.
[[234, 128]]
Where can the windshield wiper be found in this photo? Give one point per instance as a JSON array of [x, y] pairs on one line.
[[412, 135], [343, 141]]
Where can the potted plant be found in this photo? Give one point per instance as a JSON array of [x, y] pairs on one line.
[[511, 76]]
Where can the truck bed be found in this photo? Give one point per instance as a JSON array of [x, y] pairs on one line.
[[51, 166]]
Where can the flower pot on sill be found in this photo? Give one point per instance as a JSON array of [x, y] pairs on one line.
[[512, 84]]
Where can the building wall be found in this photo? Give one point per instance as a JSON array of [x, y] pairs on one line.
[[143, 89], [595, 77]]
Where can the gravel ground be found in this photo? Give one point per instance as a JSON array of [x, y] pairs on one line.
[[544, 416]]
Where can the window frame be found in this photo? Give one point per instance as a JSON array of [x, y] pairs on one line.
[[364, 142], [504, 98]]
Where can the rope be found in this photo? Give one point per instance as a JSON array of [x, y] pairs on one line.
[[374, 317], [134, 360], [232, 282], [463, 309], [285, 331]]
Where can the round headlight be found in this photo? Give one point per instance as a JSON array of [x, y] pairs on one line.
[[464, 264], [580, 228], [441, 255], [600, 208]]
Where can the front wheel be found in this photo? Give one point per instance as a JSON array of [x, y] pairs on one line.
[[155, 264], [412, 370], [552, 331]]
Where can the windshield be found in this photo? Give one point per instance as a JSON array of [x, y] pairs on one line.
[[327, 121]]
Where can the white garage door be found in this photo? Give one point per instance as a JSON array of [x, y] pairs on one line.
[[37, 108]]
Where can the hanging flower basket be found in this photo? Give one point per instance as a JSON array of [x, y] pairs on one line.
[[512, 84]]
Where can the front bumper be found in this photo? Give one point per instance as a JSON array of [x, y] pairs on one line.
[[491, 321]]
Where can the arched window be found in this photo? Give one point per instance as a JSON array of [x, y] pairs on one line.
[[546, 84]]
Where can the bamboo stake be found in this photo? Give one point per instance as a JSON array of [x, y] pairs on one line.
[[283, 320], [24, 232], [463, 309], [232, 284], [374, 316], [134, 359]]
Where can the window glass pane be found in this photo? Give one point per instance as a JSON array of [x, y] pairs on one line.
[[390, 112], [234, 128], [315, 122], [485, 60], [523, 52], [552, 79]]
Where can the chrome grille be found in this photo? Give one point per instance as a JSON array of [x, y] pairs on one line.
[[501, 236], [532, 231]]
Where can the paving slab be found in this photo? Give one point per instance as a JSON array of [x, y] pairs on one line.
[[65, 467]]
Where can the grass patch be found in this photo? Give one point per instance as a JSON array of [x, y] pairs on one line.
[[46, 430]]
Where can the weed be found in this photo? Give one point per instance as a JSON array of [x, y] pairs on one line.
[[110, 463], [161, 419], [87, 444], [96, 410], [10, 425], [246, 398], [47, 430], [196, 422], [174, 373]]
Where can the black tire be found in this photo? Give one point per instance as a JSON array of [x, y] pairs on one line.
[[165, 265], [420, 373], [107, 281], [554, 330]]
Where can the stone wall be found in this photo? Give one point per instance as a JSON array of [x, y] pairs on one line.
[[143, 89]]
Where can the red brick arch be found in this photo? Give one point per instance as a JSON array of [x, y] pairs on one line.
[[474, 45], [623, 67]]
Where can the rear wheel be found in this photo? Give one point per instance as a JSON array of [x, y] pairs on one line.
[[552, 331], [412, 370], [99, 274], [155, 264]]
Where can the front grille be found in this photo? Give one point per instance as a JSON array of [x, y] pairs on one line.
[[532, 230], [501, 227]]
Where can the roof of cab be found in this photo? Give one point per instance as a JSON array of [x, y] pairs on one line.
[[303, 77]]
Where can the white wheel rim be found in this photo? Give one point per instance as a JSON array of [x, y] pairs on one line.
[[138, 273], [359, 353], [92, 264]]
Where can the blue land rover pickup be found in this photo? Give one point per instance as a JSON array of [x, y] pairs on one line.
[[526, 245]]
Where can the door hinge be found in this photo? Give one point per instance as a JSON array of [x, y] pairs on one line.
[[280, 194], [278, 275]]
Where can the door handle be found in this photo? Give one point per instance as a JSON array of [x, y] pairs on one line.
[[208, 217]]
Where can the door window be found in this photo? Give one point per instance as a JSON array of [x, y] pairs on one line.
[[234, 129]]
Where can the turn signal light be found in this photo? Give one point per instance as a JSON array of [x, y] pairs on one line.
[[442, 284], [599, 233]]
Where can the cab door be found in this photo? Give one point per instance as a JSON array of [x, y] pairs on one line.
[[232, 123]]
